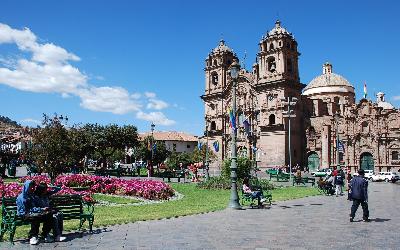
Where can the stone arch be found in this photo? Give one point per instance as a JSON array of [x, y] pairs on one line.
[[313, 161], [366, 161], [271, 119]]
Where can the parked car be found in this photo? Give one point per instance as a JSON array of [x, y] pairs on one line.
[[322, 172], [367, 174], [386, 176]]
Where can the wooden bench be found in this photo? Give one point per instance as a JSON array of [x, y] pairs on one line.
[[71, 206], [173, 174], [108, 172], [279, 176], [303, 180]]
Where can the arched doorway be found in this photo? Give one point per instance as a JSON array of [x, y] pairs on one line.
[[367, 161], [313, 161]]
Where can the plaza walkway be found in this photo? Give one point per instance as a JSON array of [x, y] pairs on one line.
[[309, 223]]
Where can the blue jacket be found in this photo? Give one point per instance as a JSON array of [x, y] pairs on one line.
[[26, 203], [359, 188]]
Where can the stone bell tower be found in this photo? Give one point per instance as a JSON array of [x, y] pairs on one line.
[[216, 74], [278, 56], [277, 78]]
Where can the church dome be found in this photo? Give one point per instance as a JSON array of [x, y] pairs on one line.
[[328, 82], [380, 100], [222, 48], [278, 29]]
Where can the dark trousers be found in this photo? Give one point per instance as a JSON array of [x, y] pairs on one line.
[[257, 195], [57, 220], [356, 204], [35, 225]]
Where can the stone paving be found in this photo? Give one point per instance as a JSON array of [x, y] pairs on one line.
[[320, 222]]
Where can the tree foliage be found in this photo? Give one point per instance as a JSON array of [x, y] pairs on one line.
[[143, 151], [244, 168]]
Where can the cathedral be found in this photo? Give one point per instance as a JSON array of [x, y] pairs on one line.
[[320, 123]]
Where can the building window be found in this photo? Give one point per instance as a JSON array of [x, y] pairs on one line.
[[213, 126], [214, 78], [395, 155], [272, 119], [271, 64], [188, 146], [364, 127], [271, 47], [215, 62]]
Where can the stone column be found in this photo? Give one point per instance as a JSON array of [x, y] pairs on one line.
[[326, 147]]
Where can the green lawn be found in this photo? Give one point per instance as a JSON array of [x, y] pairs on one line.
[[195, 201], [114, 199]]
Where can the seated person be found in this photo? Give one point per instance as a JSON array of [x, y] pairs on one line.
[[28, 210], [43, 201], [254, 194]]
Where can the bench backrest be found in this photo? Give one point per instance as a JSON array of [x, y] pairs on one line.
[[70, 205]]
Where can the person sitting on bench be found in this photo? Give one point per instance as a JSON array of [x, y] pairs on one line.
[[254, 194]]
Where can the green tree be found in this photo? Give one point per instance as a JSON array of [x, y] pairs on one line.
[[106, 140], [143, 152], [244, 167], [51, 146], [200, 155]]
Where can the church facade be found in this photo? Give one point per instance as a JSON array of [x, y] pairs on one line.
[[327, 127]]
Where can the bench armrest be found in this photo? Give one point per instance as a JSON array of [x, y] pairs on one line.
[[88, 208], [9, 215]]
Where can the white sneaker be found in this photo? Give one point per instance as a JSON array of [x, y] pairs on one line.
[[263, 200], [60, 238], [34, 241], [48, 239]]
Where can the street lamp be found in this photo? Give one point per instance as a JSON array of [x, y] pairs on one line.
[[290, 102], [206, 163], [234, 200], [337, 117], [149, 173]]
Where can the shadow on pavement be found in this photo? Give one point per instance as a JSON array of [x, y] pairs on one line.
[[379, 220], [316, 204]]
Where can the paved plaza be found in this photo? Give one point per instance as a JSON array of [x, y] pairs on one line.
[[320, 222]]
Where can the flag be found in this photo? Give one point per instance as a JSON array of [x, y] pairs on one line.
[[154, 147], [200, 145], [246, 125], [341, 147], [365, 90], [216, 146], [232, 119]]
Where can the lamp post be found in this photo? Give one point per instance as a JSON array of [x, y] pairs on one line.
[[337, 117], [234, 200], [206, 163], [290, 102], [149, 173]]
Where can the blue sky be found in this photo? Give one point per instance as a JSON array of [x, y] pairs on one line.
[[131, 62]]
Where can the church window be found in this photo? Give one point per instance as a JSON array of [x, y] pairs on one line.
[[213, 125], [364, 127], [311, 132], [214, 78], [271, 64], [271, 47], [229, 62], [215, 62], [280, 43], [395, 155], [272, 119]]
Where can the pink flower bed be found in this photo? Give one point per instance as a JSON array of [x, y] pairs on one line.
[[148, 189]]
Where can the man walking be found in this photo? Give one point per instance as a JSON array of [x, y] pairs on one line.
[[359, 195]]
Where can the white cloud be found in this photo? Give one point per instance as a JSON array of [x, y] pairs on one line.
[[116, 100], [157, 104], [150, 94], [157, 117], [49, 71], [396, 98], [30, 120]]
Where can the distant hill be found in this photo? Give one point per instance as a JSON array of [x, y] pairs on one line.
[[7, 122]]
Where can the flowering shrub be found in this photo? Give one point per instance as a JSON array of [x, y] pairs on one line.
[[38, 179], [11, 189], [148, 189]]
